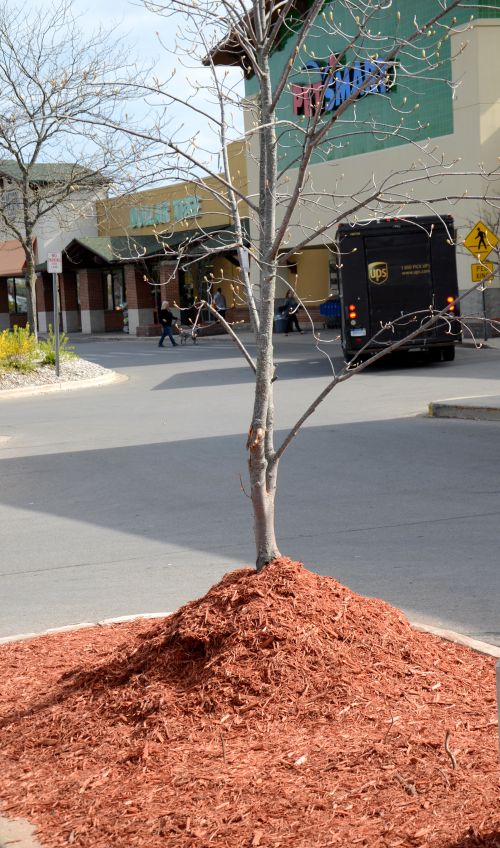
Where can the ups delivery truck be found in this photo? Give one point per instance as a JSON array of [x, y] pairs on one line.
[[393, 273]]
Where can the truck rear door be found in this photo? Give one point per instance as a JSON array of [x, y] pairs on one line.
[[399, 282]]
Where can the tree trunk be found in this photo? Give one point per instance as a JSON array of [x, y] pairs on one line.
[[30, 277], [263, 482], [31, 296], [262, 460]]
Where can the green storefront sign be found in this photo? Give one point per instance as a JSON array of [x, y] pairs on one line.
[[165, 213], [410, 98]]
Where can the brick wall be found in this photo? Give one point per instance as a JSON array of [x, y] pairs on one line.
[[91, 289], [68, 291], [169, 282], [139, 295], [44, 300], [113, 321], [238, 314]]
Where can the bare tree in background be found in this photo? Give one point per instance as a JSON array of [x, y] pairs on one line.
[[53, 75], [250, 35]]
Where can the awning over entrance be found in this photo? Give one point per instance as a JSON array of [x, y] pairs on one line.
[[12, 259], [107, 250], [193, 244], [106, 278]]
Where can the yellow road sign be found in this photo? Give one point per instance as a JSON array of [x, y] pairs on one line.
[[480, 241], [479, 272]]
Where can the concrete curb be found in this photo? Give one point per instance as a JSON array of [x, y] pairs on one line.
[[448, 635], [66, 386], [84, 625], [17, 832], [458, 639], [468, 411]]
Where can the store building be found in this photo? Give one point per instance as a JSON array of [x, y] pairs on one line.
[[75, 215], [173, 243], [12, 284], [449, 114], [126, 254]]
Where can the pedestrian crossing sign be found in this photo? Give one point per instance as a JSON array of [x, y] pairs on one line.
[[480, 241]]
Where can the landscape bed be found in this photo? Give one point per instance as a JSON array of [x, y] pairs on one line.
[[281, 709], [45, 375]]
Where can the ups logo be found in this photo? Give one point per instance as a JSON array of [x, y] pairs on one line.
[[378, 272]]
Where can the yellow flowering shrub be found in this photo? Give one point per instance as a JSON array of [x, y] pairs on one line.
[[18, 349]]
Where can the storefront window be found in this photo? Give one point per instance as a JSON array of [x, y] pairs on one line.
[[194, 282], [194, 286], [154, 283], [16, 289], [114, 289]]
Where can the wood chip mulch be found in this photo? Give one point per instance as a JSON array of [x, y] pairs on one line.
[[281, 709]]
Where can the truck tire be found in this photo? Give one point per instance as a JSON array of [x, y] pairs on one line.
[[435, 354], [449, 353]]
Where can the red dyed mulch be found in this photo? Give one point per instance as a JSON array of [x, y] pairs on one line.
[[281, 709]]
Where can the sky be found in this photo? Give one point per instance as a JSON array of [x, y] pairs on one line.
[[153, 38], [133, 21], [138, 26]]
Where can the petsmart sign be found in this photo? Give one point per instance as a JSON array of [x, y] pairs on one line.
[[330, 84], [165, 213]]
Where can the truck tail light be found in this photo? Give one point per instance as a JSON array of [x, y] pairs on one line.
[[451, 304], [353, 312]]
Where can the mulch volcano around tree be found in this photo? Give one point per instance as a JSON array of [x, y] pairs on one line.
[[281, 709]]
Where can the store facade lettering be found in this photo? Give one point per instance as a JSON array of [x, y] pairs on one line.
[[167, 212], [337, 83]]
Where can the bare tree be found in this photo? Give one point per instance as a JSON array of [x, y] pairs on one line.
[[272, 43], [52, 75]]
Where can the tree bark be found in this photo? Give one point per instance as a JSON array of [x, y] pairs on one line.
[[30, 277], [263, 501], [262, 461]]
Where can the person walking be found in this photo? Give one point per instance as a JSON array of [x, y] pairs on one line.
[[290, 308], [220, 303], [166, 321]]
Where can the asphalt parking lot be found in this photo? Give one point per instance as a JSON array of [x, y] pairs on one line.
[[130, 498]]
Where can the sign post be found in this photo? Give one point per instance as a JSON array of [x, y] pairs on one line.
[[480, 242], [54, 267]]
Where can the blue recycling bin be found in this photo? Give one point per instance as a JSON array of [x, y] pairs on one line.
[[330, 312]]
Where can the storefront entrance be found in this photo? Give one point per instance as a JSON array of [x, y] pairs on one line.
[[194, 285]]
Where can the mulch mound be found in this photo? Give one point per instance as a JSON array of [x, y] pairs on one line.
[[281, 709]]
